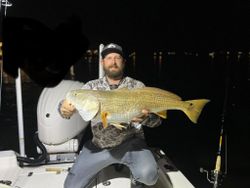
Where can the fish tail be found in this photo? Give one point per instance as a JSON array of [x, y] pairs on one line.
[[194, 108]]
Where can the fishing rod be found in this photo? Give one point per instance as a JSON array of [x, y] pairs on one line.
[[216, 176]]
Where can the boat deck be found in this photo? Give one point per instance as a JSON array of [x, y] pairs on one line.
[[53, 175]]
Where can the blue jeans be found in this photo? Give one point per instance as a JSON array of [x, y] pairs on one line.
[[133, 153]]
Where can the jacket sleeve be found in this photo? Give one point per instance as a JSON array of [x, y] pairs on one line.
[[87, 86]]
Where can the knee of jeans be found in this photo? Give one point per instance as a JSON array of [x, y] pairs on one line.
[[148, 176]]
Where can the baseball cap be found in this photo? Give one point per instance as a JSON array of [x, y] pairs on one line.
[[112, 48]]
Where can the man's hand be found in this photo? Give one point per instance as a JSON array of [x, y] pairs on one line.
[[141, 117], [67, 109]]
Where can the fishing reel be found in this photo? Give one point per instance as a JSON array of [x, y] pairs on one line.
[[214, 177]]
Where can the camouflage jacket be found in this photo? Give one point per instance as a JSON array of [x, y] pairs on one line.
[[111, 136]]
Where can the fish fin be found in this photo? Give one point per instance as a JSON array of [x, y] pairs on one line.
[[104, 119], [194, 109], [119, 126], [90, 108], [162, 114]]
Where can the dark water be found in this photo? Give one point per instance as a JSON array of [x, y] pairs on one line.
[[190, 146]]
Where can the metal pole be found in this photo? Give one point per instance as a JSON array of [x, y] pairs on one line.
[[20, 114], [5, 4], [101, 72]]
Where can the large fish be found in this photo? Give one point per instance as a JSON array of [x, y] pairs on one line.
[[122, 105]]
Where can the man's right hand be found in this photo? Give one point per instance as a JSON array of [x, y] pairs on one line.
[[67, 109]]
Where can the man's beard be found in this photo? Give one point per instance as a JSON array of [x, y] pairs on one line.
[[117, 74]]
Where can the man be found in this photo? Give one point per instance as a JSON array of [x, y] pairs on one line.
[[112, 145]]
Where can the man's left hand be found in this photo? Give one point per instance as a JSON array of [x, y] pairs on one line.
[[141, 117]]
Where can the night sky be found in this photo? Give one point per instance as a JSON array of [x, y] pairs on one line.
[[159, 24]]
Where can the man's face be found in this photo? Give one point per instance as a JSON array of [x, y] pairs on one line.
[[113, 65]]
